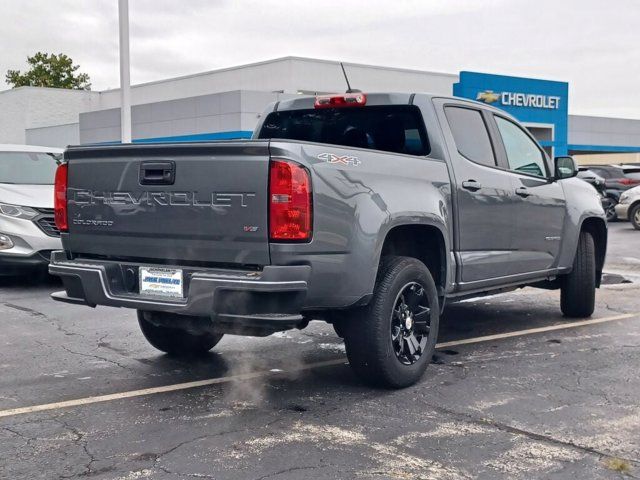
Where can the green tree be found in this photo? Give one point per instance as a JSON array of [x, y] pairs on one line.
[[49, 70]]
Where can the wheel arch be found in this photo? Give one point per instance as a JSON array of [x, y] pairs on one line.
[[420, 241], [631, 207]]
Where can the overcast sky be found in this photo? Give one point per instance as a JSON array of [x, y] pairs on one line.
[[592, 44]]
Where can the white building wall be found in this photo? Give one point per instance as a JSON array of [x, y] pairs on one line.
[[587, 130], [289, 74], [13, 114], [55, 136], [217, 112], [30, 108], [326, 76], [24, 108]]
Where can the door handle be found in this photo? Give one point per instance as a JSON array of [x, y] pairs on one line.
[[522, 192], [471, 185], [157, 173]]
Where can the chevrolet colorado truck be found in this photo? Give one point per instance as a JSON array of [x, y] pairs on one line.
[[368, 211]]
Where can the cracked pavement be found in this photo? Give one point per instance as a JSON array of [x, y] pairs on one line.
[[554, 405]]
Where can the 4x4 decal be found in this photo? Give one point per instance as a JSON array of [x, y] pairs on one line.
[[339, 159]]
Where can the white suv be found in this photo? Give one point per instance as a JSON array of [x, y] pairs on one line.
[[28, 232], [629, 206]]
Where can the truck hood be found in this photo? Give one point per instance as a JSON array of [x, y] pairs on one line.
[[38, 196]]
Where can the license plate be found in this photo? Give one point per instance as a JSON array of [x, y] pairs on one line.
[[161, 282]]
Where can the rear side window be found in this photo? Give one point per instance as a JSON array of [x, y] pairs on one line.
[[394, 128], [470, 134]]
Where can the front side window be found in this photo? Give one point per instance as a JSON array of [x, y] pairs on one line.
[[470, 134], [523, 154], [26, 168]]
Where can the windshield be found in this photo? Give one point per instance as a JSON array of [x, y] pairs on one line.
[[25, 168], [394, 128]]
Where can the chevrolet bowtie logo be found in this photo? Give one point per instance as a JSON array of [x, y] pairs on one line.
[[488, 96]]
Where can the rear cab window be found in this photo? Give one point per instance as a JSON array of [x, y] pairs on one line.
[[393, 128]]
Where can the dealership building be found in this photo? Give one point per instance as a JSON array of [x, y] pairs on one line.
[[226, 103]]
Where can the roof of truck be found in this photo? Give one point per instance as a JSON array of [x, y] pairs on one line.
[[376, 98]]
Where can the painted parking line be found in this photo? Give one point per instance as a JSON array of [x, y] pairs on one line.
[[531, 331], [263, 373]]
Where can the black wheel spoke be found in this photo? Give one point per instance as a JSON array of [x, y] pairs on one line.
[[413, 344], [410, 323]]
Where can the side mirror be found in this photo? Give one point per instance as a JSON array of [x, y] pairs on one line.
[[565, 167]]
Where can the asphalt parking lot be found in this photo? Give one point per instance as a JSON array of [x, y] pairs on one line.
[[515, 391]]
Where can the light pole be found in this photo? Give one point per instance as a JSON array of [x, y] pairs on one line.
[[125, 78]]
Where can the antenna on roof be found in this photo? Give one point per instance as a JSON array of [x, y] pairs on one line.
[[349, 89]]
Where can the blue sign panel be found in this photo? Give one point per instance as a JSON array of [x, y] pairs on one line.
[[529, 100]]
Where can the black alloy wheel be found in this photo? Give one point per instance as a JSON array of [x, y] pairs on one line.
[[391, 341], [410, 323]]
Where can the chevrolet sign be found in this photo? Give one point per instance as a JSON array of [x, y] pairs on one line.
[[530, 100]]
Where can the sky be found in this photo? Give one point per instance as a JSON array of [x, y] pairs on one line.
[[592, 44]]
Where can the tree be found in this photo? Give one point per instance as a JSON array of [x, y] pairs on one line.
[[49, 70]]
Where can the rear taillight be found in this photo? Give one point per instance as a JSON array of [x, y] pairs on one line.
[[289, 202], [628, 181], [336, 101], [60, 198]]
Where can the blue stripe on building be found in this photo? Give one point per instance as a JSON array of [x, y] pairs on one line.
[[603, 148], [198, 137]]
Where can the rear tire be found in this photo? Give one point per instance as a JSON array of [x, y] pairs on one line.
[[578, 291], [175, 341], [391, 341], [634, 216]]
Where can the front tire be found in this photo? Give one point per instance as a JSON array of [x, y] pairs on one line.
[[391, 341], [175, 340], [578, 290], [634, 217]]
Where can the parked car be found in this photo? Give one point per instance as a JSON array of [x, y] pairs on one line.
[[367, 211], [608, 203], [629, 207], [618, 178], [28, 232]]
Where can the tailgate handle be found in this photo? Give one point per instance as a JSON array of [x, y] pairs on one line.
[[157, 173]]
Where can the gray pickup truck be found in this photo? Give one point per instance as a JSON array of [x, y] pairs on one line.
[[368, 211]]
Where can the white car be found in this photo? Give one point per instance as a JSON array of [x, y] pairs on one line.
[[629, 206], [28, 232]]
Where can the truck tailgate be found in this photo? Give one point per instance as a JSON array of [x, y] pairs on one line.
[[204, 202]]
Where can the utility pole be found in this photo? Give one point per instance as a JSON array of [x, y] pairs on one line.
[[125, 77]]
